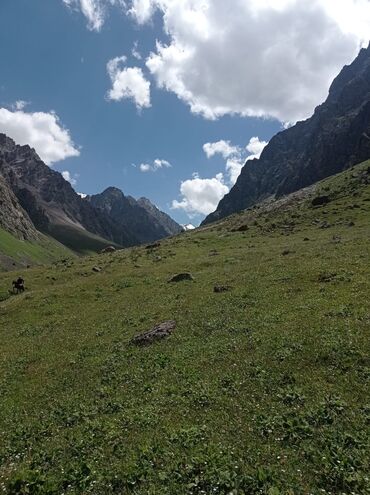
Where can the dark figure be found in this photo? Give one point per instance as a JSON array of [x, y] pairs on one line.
[[18, 285]]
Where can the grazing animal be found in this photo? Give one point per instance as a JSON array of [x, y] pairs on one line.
[[18, 285]]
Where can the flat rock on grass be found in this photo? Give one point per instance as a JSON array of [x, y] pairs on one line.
[[158, 332], [218, 289], [181, 277]]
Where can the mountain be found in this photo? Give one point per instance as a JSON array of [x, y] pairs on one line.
[[336, 137], [34, 198], [50, 201], [13, 217], [139, 217]]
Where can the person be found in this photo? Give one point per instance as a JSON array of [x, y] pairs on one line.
[[18, 285]]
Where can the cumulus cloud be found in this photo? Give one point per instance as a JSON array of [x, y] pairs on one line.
[[224, 148], [128, 83], [255, 148], [69, 178], [142, 10], [201, 195], [42, 131], [95, 11], [156, 165], [264, 58]]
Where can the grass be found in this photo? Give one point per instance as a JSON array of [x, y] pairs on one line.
[[260, 390], [25, 252]]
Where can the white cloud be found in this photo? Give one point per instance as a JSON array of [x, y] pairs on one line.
[[224, 148], [135, 51], [201, 196], [128, 83], [95, 11], [265, 58], [82, 195], [20, 105], [156, 165], [142, 10], [255, 148], [42, 131], [69, 178]]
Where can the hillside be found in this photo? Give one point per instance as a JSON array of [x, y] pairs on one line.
[[261, 389], [336, 137], [35, 199]]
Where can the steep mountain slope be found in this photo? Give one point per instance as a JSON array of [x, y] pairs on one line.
[[13, 218], [261, 389], [141, 218], [49, 202], [336, 137]]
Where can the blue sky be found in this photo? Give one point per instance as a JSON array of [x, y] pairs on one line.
[[228, 89]]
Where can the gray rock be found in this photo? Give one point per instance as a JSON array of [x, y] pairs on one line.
[[158, 332], [221, 288], [181, 277]]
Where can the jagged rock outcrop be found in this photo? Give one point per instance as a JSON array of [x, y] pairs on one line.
[[50, 201], [36, 198], [141, 218], [336, 137], [13, 218]]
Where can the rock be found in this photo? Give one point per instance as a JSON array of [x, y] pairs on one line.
[[158, 332], [327, 277], [286, 252], [221, 288], [181, 277], [153, 246], [96, 269], [320, 201], [242, 228], [108, 249], [306, 239], [214, 252]]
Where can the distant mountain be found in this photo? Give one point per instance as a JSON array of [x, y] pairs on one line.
[[33, 198], [336, 137], [139, 217]]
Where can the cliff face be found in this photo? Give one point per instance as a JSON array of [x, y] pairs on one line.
[[13, 218], [336, 137], [49, 200], [34, 198], [141, 218]]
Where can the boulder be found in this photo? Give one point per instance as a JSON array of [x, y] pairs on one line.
[[221, 288], [320, 201], [181, 277], [108, 249], [158, 332]]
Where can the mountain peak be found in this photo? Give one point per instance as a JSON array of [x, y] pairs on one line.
[[336, 137]]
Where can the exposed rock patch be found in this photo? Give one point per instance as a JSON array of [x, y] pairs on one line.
[[158, 332]]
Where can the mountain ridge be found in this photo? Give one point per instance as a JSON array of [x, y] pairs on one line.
[[336, 137]]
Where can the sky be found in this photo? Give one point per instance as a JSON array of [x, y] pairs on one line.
[[167, 99]]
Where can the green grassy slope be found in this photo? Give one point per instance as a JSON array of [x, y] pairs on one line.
[[14, 252], [260, 390]]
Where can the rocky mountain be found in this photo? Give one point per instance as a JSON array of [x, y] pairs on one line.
[[36, 198], [336, 137], [13, 218], [139, 217]]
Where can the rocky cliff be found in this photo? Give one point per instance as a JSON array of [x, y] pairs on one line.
[[336, 137], [13, 218], [139, 217], [33, 197]]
